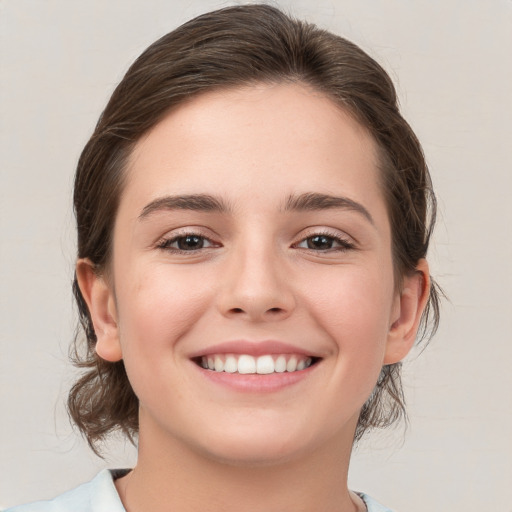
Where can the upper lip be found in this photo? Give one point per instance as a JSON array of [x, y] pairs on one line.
[[253, 348]]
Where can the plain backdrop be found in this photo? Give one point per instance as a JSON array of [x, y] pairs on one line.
[[452, 63]]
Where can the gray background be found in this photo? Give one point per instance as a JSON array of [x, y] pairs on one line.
[[451, 61]]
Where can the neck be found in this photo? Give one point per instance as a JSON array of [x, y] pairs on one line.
[[170, 476]]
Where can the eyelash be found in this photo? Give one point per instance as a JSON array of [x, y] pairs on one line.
[[343, 243], [332, 238], [166, 243]]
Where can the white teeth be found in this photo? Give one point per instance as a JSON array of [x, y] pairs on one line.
[[262, 365], [231, 365], [280, 364], [291, 366], [265, 365], [246, 364], [219, 364]]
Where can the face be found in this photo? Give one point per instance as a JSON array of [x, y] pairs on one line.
[[251, 293]]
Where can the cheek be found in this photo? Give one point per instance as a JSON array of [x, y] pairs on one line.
[[354, 307], [156, 309]]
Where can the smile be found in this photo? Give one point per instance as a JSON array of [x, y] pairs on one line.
[[262, 365]]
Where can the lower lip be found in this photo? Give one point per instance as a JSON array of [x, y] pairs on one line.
[[256, 383]]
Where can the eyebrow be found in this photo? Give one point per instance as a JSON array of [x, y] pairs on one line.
[[314, 201], [196, 202], [310, 201]]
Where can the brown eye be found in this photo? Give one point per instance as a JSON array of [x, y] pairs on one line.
[[320, 242], [186, 243], [325, 242], [189, 243]]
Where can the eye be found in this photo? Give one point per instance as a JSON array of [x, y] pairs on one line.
[[186, 242], [325, 242]]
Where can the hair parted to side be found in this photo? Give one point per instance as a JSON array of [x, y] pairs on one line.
[[238, 46]]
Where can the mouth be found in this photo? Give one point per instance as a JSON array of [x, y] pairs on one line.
[[265, 364], [262, 366]]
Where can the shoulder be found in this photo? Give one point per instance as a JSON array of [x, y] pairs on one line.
[[372, 505], [98, 495]]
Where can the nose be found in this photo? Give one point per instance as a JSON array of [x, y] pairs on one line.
[[256, 286]]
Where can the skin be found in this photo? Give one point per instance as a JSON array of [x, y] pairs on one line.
[[258, 276]]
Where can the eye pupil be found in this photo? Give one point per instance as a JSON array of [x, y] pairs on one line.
[[320, 242], [190, 242]]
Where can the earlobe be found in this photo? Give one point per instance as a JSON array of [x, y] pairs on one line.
[[411, 303], [102, 309]]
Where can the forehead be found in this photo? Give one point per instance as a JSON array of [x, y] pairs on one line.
[[256, 140]]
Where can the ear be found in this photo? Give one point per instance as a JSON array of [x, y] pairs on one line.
[[102, 309], [407, 313]]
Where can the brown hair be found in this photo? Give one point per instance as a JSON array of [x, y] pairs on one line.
[[230, 47]]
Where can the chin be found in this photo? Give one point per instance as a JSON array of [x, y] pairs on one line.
[[261, 444], [252, 454]]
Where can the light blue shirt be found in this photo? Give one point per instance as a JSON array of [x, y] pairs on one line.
[[100, 495]]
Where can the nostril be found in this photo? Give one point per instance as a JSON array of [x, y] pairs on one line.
[[272, 311]]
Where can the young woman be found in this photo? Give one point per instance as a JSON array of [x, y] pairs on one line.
[[253, 218]]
